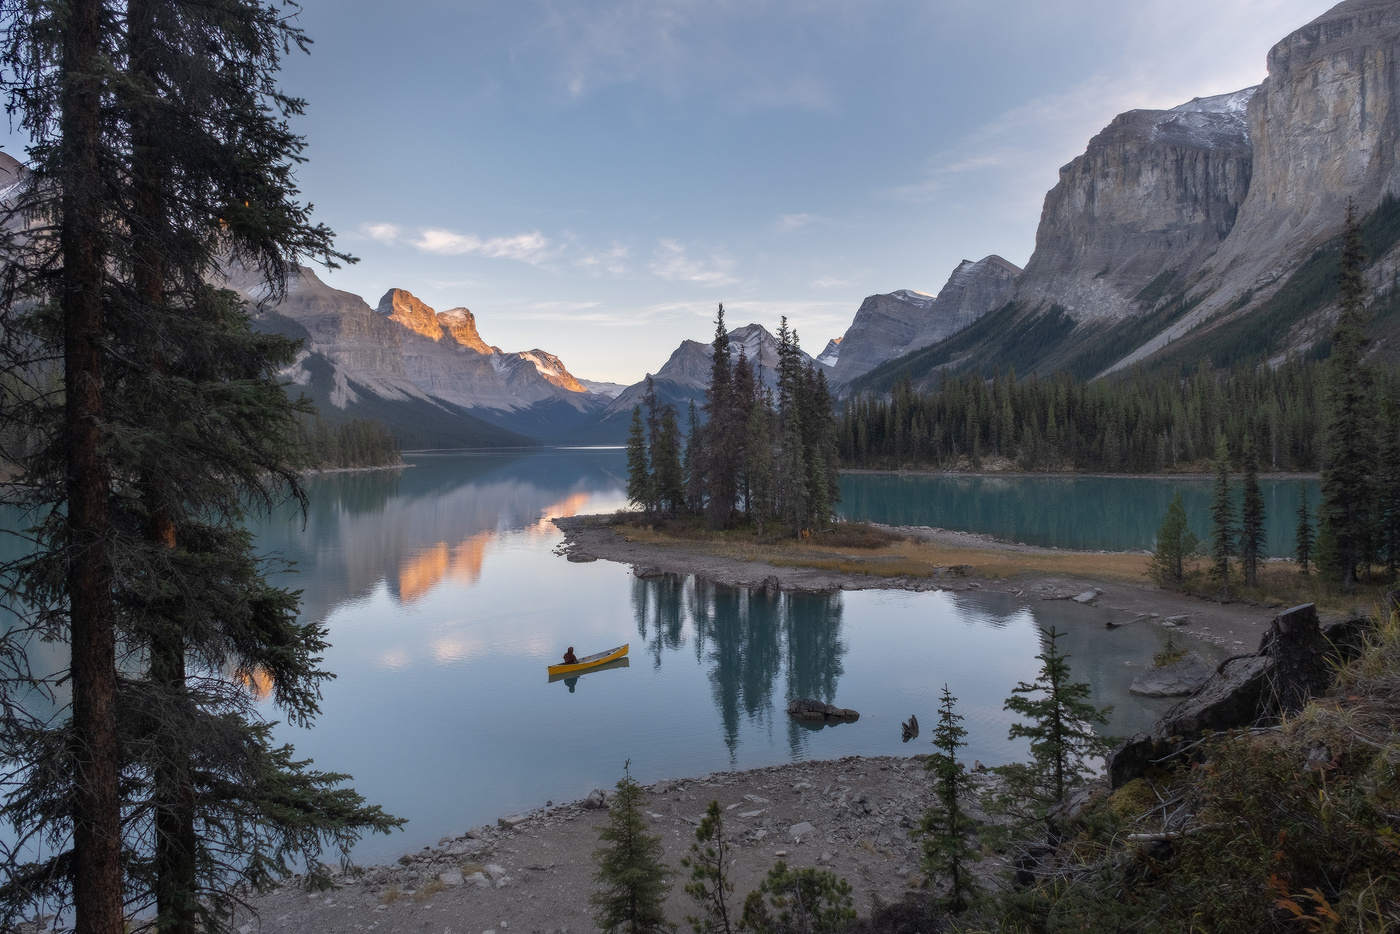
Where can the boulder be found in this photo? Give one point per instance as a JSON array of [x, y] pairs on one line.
[[802, 708], [511, 821], [1291, 666], [1181, 677], [597, 800], [802, 831]]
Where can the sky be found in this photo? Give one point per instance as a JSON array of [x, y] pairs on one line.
[[593, 177]]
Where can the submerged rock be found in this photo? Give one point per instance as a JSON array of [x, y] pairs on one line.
[[802, 708], [1181, 677]]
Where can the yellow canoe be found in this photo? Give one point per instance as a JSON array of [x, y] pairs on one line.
[[590, 661]]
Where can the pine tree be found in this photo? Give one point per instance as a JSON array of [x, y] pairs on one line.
[[806, 900], [666, 464], [1251, 516], [1303, 550], [163, 155], [633, 877], [945, 826], [694, 462], [641, 490], [724, 448], [1222, 517], [710, 884], [1349, 462], [1058, 725], [1175, 542], [1387, 511], [792, 498]]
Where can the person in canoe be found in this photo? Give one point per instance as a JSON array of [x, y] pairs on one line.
[[569, 657]]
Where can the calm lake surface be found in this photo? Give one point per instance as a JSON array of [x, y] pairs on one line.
[[1086, 513], [445, 601]]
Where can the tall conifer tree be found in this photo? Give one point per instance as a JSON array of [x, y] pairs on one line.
[[1349, 461], [162, 160], [1222, 519], [1303, 533], [1251, 516]]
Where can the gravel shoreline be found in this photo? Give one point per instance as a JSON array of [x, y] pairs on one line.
[[534, 872]]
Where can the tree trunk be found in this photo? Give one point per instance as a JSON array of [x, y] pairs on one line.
[[97, 874]]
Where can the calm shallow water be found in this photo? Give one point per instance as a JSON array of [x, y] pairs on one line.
[[1090, 513], [445, 601]]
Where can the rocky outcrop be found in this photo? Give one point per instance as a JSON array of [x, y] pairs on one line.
[[802, 708], [1155, 192], [1293, 664], [1182, 677]]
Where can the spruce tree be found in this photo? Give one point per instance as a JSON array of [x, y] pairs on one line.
[[641, 489], [1349, 460], [1058, 718], [694, 462], [710, 884], [806, 900], [1175, 542], [1222, 518], [945, 827], [1387, 511], [633, 877], [162, 162], [790, 476], [724, 447], [1303, 534], [1251, 516]]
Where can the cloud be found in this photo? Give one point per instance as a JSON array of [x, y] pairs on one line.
[[384, 233], [794, 221], [672, 261], [612, 260], [528, 248], [830, 282]]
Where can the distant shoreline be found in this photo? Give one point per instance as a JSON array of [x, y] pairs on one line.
[[1071, 474]]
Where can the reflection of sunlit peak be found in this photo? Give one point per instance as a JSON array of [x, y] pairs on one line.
[[461, 563], [258, 683], [565, 508], [394, 658]]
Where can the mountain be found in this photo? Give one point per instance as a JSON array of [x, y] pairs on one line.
[[1210, 229], [427, 375], [682, 379], [888, 326]]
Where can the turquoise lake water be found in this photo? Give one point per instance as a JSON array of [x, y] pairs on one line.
[[445, 601]]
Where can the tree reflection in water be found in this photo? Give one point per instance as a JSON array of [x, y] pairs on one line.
[[747, 639]]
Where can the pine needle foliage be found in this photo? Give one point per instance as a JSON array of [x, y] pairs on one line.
[[634, 879], [1175, 543], [1058, 720], [1222, 519], [710, 884], [946, 827], [802, 900], [1349, 460], [1303, 533], [1251, 517]]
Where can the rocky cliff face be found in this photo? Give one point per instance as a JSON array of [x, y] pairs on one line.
[[970, 292], [887, 326], [1325, 128], [883, 327], [405, 350], [1156, 191], [1202, 231]]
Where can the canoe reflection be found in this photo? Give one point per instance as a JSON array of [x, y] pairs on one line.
[[572, 680]]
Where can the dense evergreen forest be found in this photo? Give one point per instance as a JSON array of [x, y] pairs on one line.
[[359, 442], [750, 457], [1138, 423]]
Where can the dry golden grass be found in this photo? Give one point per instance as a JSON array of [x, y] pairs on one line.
[[390, 895], [1281, 584], [898, 557], [429, 889]]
